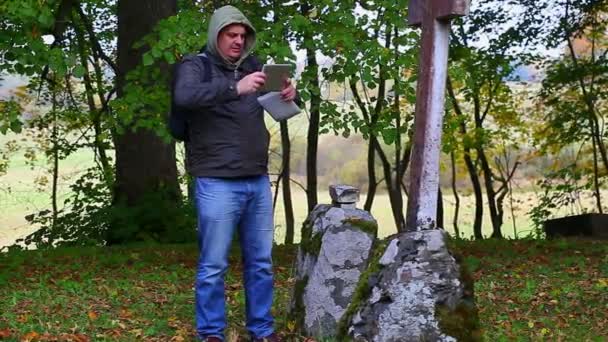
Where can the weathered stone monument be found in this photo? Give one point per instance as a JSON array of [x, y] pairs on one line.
[[334, 253], [413, 289], [421, 292]]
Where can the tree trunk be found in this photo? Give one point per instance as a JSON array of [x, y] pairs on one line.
[[286, 182], [55, 156], [491, 193], [371, 176], [440, 209], [477, 223], [456, 197], [98, 146], [144, 163], [312, 69]]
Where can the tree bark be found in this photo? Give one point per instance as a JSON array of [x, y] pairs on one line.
[[456, 196], [491, 194], [371, 176], [286, 182], [440, 209], [144, 163], [315, 113]]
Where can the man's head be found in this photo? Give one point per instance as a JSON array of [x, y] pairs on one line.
[[231, 36], [231, 41]]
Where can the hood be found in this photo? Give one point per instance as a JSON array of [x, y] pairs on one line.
[[221, 18]]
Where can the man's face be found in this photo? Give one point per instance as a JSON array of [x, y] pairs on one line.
[[231, 41]]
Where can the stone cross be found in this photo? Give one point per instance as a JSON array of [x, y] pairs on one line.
[[434, 17]]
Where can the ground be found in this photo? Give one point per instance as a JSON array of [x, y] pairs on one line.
[[526, 290]]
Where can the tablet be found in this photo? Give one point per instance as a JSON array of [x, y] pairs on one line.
[[276, 74]]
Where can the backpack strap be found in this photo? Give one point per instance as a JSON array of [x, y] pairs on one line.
[[206, 68]]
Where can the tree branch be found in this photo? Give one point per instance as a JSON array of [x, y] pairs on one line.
[[96, 46]]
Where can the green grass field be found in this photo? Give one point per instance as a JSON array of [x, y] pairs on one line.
[[20, 196], [526, 290]]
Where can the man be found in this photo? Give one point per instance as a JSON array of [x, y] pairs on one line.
[[227, 154]]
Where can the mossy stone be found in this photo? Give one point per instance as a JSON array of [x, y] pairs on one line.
[[363, 289], [367, 226]]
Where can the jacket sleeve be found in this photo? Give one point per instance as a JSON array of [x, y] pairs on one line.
[[191, 93]]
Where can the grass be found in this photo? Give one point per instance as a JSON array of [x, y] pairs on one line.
[[525, 290]]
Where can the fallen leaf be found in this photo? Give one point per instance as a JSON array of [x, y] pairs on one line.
[[93, 315], [31, 336], [125, 313], [75, 338], [5, 333]]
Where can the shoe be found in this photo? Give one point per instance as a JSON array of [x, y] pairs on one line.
[[212, 339], [270, 338]]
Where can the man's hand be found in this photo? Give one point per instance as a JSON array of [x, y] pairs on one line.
[[289, 91], [251, 83]]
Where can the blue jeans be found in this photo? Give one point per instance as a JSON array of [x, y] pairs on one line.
[[224, 204]]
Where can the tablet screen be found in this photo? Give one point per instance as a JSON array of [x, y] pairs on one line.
[[276, 74]]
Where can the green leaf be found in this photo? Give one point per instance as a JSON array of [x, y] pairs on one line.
[[78, 71], [169, 57], [148, 59], [16, 126]]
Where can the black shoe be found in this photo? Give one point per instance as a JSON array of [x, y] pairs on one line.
[[270, 338], [212, 339]]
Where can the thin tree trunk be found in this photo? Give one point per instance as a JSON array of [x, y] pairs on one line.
[[440, 208], [478, 220], [490, 192], [54, 138], [371, 175], [98, 145], [393, 187], [392, 182], [456, 196], [286, 179], [315, 113], [512, 211], [596, 183]]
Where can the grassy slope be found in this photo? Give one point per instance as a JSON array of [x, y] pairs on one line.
[[526, 290]]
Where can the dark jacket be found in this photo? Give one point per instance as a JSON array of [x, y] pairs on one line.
[[227, 134]]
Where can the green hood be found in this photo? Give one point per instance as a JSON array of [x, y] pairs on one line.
[[221, 18]]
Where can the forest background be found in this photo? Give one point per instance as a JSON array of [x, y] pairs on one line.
[[86, 157]]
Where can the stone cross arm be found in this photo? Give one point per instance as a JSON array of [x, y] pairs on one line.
[[421, 10]]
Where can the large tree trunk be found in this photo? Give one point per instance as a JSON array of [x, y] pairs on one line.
[[144, 163]]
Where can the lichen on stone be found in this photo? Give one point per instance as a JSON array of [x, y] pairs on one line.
[[363, 289], [462, 322]]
